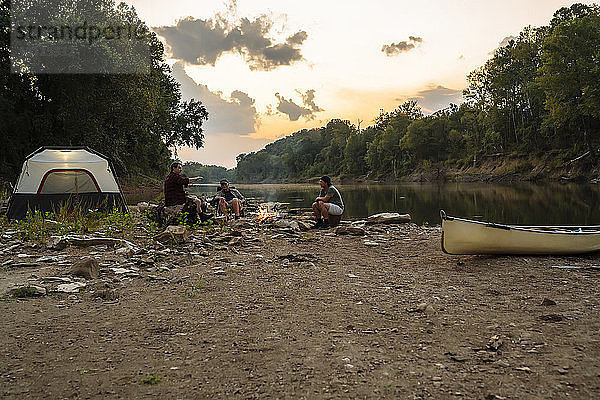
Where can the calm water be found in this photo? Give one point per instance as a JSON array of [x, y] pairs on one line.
[[523, 203]]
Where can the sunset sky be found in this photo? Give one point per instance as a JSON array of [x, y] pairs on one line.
[[265, 68]]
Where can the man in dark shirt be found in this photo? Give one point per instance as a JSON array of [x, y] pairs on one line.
[[174, 193], [229, 198]]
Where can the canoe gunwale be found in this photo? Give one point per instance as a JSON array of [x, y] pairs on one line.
[[557, 230]]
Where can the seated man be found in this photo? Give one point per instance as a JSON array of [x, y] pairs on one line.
[[328, 203], [174, 193], [229, 198]]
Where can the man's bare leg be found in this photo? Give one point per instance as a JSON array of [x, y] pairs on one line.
[[325, 210], [316, 210], [236, 207], [223, 207]]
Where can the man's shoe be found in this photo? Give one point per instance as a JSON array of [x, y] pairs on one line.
[[325, 225], [317, 224]]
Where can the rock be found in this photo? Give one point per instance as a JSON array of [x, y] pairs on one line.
[[173, 234], [350, 230], [494, 343], [143, 206], [388, 218], [28, 291], [425, 308], [56, 279], [307, 264], [74, 287], [286, 223], [87, 268], [524, 369], [56, 243], [125, 251], [552, 317], [241, 224], [23, 265], [370, 243], [352, 276], [236, 241], [548, 302], [304, 226]]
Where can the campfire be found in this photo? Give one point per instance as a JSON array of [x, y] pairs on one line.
[[265, 214]]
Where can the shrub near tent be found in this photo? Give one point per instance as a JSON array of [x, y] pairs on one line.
[[54, 177]]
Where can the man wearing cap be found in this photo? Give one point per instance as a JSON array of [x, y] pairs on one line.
[[174, 192], [229, 198], [328, 203]]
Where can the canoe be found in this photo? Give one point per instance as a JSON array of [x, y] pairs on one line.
[[464, 236]]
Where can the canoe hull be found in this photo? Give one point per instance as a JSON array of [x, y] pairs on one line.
[[461, 236]]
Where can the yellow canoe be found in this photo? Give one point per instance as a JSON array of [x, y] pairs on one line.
[[464, 236]]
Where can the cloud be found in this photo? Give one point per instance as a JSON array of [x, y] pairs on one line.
[[502, 44], [309, 100], [401, 47], [437, 98], [237, 115], [294, 111], [203, 41]]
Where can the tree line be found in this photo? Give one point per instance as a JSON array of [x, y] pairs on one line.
[[540, 92], [210, 173], [133, 118]]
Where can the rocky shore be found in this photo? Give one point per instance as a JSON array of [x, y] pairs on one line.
[[273, 310]]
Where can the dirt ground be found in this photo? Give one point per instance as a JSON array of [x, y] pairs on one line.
[[309, 315]]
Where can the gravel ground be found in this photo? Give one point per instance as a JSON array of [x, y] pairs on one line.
[[278, 314]]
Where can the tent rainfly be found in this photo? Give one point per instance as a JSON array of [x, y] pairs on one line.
[[55, 176]]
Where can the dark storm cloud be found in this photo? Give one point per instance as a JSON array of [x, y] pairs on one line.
[[237, 116], [401, 47], [199, 41], [294, 111]]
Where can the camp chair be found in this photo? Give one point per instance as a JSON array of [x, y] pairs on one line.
[[214, 202]]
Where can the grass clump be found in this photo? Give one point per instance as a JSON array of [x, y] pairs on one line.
[[153, 379], [194, 288]]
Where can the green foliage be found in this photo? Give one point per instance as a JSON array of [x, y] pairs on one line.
[[131, 118], [153, 379], [210, 173], [194, 288], [72, 220]]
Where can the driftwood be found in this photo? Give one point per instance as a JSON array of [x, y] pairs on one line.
[[388, 218], [587, 153], [60, 242]]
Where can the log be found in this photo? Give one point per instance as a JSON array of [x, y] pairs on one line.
[[388, 218]]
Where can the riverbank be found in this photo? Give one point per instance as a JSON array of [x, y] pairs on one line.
[[249, 310]]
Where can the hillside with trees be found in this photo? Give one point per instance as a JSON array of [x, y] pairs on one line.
[[210, 173], [540, 93]]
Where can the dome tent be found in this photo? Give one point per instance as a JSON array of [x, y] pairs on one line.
[[52, 176]]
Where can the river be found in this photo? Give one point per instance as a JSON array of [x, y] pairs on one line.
[[520, 203]]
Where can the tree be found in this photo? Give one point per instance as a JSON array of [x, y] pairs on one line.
[[570, 74], [132, 118]]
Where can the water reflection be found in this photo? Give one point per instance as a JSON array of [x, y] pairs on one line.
[[523, 203]]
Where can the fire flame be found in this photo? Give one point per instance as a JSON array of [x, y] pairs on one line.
[[265, 214]]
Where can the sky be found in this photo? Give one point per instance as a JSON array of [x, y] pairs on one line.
[[265, 69]]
